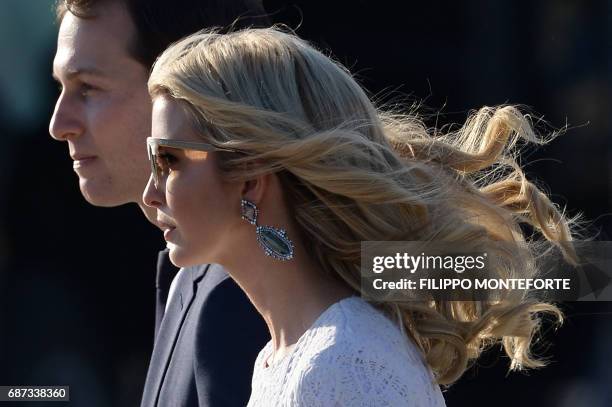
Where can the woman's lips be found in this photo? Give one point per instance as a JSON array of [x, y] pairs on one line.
[[166, 227], [167, 232]]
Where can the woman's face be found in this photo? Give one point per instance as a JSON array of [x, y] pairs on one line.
[[196, 209]]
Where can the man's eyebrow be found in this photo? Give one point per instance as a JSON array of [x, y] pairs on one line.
[[75, 72]]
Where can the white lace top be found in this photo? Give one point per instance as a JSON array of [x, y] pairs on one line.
[[353, 355]]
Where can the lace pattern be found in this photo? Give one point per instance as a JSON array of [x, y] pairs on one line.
[[353, 355]]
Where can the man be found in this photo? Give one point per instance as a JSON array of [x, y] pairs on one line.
[[210, 334]]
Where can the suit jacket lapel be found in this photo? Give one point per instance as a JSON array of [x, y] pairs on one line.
[[166, 271], [169, 331]]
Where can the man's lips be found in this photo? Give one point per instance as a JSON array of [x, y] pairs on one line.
[[82, 160]]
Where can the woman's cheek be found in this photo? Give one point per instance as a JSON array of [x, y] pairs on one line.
[[173, 183], [182, 196]]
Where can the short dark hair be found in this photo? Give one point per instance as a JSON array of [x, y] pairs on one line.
[[161, 22]]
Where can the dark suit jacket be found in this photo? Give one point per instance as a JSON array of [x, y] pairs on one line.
[[206, 344]]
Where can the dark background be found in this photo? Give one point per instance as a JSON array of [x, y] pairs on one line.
[[77, 282]]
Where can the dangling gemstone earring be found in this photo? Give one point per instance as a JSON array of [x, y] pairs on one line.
[[274, 241]]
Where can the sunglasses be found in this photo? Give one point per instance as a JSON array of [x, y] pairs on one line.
[[159, 166]]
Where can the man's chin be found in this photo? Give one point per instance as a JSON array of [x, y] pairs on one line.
[[100, 194]]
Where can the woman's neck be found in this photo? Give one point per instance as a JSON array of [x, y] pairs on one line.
[[289, 295]]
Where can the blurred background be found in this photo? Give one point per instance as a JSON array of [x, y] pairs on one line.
[[77, 282]]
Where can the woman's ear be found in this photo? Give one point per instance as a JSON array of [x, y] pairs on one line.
[[253, 190]]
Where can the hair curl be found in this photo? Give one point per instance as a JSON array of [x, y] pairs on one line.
[[353, 172]]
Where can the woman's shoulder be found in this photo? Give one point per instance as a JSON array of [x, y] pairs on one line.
[[356, 324], [353, 328], [359, 357]]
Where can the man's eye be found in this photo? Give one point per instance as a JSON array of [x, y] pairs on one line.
[[86, 89]]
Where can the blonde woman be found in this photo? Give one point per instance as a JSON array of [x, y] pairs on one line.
[[269, 159]]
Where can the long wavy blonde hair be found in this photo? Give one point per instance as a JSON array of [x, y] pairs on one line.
[[352, 172]]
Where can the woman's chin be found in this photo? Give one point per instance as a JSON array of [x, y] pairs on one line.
[[179, 257]]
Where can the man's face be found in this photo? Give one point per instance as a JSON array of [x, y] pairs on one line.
[[104, 110]]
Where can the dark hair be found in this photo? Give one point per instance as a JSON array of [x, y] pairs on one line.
[[161, 22]]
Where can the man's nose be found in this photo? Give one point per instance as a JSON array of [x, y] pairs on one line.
[[65, 121]]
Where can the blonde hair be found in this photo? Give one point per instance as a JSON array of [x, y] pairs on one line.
[[353, 172]]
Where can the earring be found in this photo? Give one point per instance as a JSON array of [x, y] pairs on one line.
[[273, 241]]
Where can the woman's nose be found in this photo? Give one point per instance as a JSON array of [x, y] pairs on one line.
[[152, 196]]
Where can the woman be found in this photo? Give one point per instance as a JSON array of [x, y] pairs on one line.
[[269, 159]]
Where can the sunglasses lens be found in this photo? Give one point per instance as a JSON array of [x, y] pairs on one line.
[[161, 166], [155, 171]]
